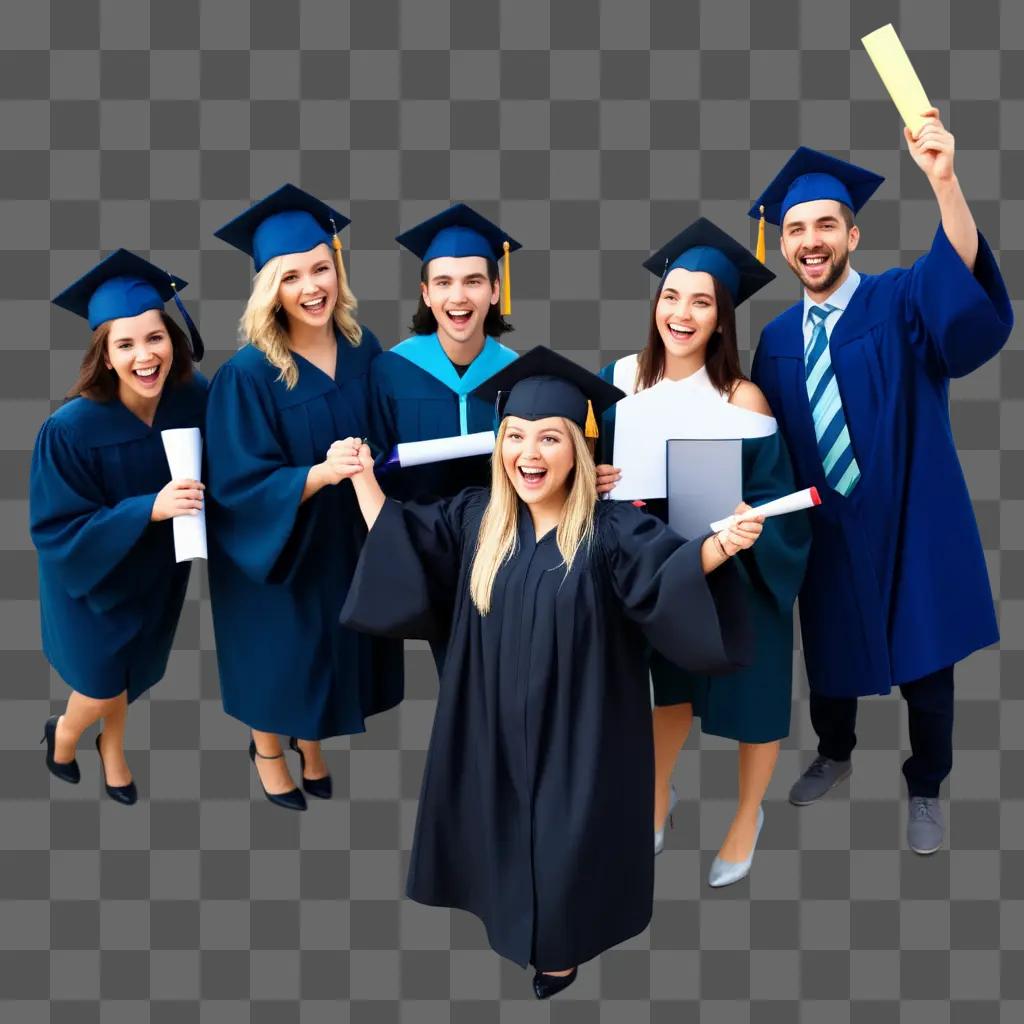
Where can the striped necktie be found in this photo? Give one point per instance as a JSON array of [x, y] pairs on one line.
[[841, 470]]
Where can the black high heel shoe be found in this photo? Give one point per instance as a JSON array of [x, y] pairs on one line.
[[547, 985], [126, 795], [66, 771], [293, 800], [322, 788]]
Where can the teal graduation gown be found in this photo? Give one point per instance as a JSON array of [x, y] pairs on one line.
[[751, 705], [280, 569], [417, 395], [896, 585], [110, 591]]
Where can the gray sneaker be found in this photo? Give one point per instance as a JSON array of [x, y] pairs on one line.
[[822, 774], [926, 827]]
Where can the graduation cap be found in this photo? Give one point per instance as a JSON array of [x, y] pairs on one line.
[[809, 175], [125, 285], [543, 383], [461, 231], [705, 246], [288, 220]]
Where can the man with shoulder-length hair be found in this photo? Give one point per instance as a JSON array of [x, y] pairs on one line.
[[857, 374], [422, 388]]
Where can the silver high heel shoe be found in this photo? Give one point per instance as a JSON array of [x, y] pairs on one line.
[[659, 836], [725, 872]]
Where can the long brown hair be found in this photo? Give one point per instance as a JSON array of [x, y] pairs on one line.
[[721, 358], [99, 383]]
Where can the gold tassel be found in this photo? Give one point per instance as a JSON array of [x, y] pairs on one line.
[[760, 251], [591, 428], [336, 240], [506, 283]]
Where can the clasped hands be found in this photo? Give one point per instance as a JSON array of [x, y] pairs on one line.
[[347, 458]]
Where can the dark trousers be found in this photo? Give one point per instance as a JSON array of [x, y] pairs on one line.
[[930, 710]]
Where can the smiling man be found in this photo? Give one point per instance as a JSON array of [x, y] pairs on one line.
[[857, 374], [421, 389]]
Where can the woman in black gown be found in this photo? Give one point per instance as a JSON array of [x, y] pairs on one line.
[[537, 794]]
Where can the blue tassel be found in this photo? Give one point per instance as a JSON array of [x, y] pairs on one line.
[[198, 349]]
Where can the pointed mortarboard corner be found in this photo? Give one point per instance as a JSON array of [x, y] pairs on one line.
[[809, 175], [543, 383], [286, 221], [461, 231], [705, 246], [125, 285]]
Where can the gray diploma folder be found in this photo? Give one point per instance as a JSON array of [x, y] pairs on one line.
[[705, 483]]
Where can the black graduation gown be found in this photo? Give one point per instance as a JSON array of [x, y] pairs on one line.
[[537, 799]]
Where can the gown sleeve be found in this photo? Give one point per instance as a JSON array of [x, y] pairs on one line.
[[261, 523], [84, 538], [408, 570], [955, 320], [775, 564], [698, 622]]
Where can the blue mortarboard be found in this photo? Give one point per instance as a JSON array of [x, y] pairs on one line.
[[457, 231], [810, 175], [543, 383], [705, 246], [124, 285], [288, 220]]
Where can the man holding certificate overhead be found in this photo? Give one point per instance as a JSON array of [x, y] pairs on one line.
[[857, 374]]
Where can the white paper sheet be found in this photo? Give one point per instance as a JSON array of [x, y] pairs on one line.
[[184, 449], [646, 421], [417, 453]]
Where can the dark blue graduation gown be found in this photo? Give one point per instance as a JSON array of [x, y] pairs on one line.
[[537, 799], [416, 395], [110, 591], [896, 584], [753, 704], [280, 570]]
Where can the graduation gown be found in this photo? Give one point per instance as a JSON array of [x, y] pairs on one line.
[[110, 591], [896, 584], [537, 799], [280, 570], [417, 395], [753, 704]]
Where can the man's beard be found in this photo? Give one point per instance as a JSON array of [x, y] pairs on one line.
[[838, 269]]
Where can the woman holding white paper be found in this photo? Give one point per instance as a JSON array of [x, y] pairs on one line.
[[285, 529], [100, 508], [704, 274]]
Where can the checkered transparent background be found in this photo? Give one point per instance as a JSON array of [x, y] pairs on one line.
[[592, 131]]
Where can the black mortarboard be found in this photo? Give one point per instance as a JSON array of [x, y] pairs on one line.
[[543, 383]]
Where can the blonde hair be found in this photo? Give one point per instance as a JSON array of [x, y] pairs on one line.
[[496, 542], [261, 325]]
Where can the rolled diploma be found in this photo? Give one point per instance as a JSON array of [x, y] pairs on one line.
[[418, 453], [779, 507], [898, 75], [184, 449]]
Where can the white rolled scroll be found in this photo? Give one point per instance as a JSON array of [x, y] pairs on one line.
[[184, 449]]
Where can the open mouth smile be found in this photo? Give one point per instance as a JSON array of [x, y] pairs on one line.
[[315, 306], [532, 476]]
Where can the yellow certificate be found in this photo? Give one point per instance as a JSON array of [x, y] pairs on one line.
[[898, 75]]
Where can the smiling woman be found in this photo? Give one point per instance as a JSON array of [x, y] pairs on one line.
[[100, 500], [538, 791], [286, 531]]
